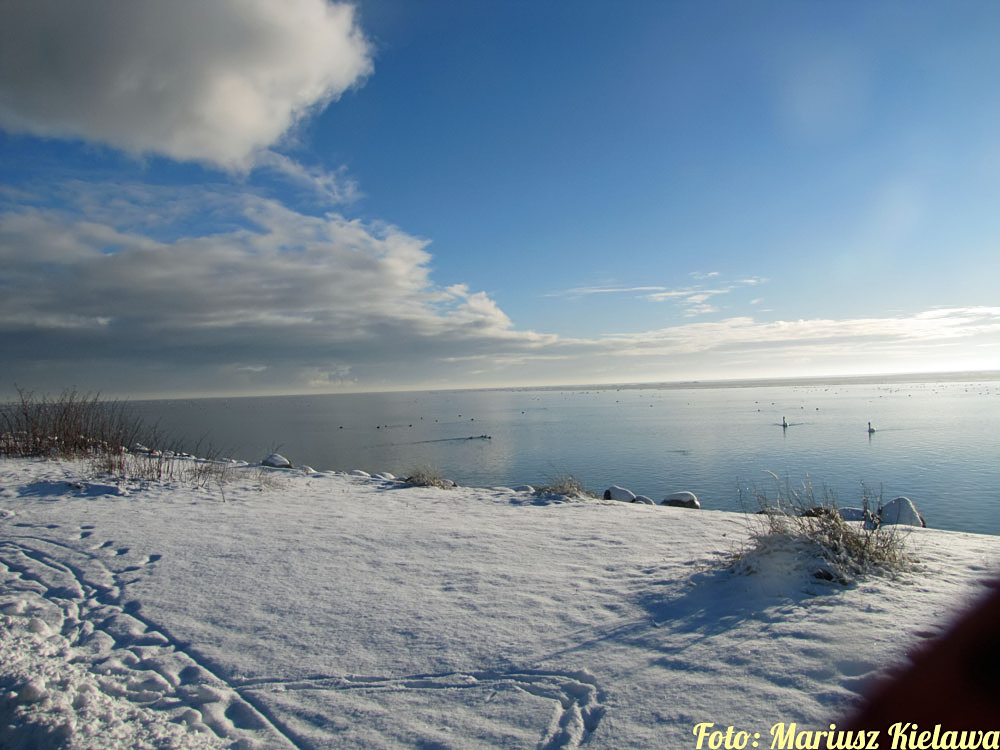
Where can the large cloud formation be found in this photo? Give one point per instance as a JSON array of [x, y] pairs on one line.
[[215, 81], [276, 297], [115, 296]]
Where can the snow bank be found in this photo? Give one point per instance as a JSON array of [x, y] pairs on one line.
[[336, 610]]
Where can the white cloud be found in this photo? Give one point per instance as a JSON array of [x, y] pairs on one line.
[[280, 301], [216, 82], [280, 296], [681, 294], [694, 299], [583, 291], [330, 187], [699, 308], [833, 336]]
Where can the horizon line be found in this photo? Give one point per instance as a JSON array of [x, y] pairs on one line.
[[942, 376]]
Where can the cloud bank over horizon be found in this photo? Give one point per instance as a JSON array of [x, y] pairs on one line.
[[288, 302]]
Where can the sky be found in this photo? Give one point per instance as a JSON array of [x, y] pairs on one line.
[[252, 197]]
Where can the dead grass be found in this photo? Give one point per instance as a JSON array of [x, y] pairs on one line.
[[107, 435], [428, 476], [794, 520], [566, 485], [72, 425]]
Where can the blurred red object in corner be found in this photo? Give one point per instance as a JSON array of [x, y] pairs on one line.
[[954, 680]]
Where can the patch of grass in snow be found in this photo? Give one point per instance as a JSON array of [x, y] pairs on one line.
[[72, 425], [794, 526], [428, 476], [167, 467], [162, 466], [566, 485], [110, 436]]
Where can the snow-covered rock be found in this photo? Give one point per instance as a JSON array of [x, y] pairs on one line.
[[359, 473], [643, 500], [524, 488], [277, 461], [900, 511], [681, 500], [385, 476], [614, 492]]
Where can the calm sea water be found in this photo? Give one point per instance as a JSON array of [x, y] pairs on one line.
[[936, 443]]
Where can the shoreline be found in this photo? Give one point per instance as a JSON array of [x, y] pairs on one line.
[[715, 443]]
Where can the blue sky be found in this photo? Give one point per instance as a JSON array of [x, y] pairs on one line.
[[259, 197]]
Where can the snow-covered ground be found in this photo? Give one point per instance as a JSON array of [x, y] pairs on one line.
[[328, 610]]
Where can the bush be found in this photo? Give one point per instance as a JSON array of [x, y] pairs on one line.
[[566, 485], [73, 425], [813, 531], [161, 466], [106, 433], [428, 476]]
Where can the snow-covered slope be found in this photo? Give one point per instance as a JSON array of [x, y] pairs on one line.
[[327, 610]]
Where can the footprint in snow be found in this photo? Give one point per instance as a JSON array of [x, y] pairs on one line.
[[108, 545], [148, 561], [84, 604]]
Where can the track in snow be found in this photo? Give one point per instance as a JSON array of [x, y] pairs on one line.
[[77, 593]]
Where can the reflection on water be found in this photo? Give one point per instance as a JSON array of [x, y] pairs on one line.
[[934, 442]]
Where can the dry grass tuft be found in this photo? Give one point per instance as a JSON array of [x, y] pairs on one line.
[[428, 476], [792, 522], [107, 434], [566, 485], [73, 425]]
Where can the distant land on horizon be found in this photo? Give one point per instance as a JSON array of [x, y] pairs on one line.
[[958, 376], [912, 377]]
